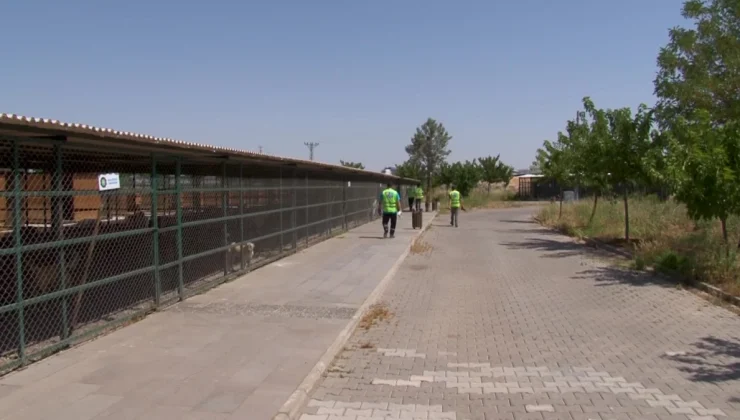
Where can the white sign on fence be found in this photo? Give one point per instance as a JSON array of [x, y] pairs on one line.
[[349, 183], [107, 182]]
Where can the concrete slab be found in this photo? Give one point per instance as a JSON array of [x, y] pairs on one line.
[[237, 351]]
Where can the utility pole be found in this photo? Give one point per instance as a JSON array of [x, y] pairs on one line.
[[311, 146]]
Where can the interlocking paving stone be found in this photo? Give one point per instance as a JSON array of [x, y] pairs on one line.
[[516, 322]]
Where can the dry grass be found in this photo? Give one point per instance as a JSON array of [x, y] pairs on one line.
[[664, 237], [419, 246], [480, 198], [377, 313]]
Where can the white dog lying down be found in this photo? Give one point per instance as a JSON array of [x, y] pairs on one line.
[[239, 251]]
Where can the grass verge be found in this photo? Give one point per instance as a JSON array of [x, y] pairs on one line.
[[663, 237]]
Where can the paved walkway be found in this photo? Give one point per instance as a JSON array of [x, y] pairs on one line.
[[501, 319], [236, 352]]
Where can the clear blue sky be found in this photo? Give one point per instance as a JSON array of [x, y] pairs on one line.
[[357, 76]]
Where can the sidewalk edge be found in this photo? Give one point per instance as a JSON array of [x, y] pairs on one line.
[[292, 407]]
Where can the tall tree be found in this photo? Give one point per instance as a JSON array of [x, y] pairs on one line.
[[410, 169], [490, 172], [628, 144], [697, 86], [553, 163], [587, 141], [504, 173], [429, 147], [465, 176], [703, 162], [348, 164], [444, 175]]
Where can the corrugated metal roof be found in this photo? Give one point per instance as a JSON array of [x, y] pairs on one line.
[[83, 129]]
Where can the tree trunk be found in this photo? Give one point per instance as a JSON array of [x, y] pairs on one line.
[[593, 211], [429, 189], [560, 215], [489, 188], [723, 223], [626, 218]]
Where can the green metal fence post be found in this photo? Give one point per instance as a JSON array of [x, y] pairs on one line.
[[344, 204], [306, 192], [293, 213], [241, 214], [329, 197], [225, 208], [155, 233], [58, 229], [178, 199], [17, 221], [282, 245]]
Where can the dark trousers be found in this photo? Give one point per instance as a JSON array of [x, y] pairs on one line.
[[411, 203], [393, 218], [453, 216], [418, 204]]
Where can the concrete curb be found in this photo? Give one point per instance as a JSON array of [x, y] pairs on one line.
[[292, 407]]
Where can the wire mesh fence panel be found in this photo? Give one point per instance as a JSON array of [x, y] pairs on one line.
[[91, 239]]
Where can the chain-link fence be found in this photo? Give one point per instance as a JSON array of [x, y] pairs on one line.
[[79, 254]]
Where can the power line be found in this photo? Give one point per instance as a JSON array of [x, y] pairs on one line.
[[311, 146]]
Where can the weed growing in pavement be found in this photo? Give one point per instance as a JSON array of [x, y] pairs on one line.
[[367, 345], [420, 247], [377, 313]]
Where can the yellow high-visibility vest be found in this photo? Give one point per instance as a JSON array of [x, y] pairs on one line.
[[455, 199]]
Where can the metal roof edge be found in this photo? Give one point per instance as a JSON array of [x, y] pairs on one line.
[[15, 120]]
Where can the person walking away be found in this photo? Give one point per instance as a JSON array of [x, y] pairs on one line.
[[390, 205], [455, 205], [419, 197]]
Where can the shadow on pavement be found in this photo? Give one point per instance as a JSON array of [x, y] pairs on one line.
[[609, 276], [542, 231], [714, 360], [370, 237], [521, 221], [555, 249]]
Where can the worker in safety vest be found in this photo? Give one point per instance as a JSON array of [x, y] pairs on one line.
[[390, 206], [455, 205], [419, 193]]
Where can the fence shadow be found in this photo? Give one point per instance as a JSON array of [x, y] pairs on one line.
[[713, 360]]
